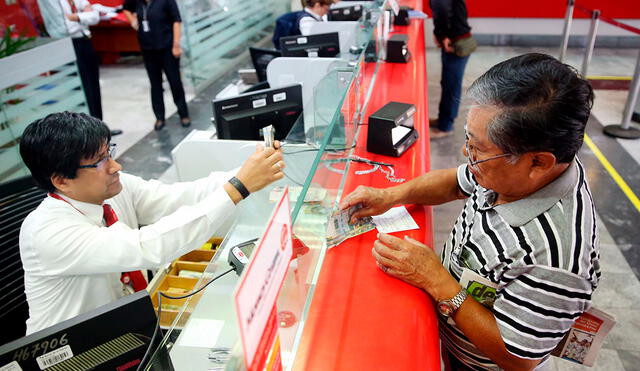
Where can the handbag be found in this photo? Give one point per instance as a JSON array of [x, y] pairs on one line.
[[464, 47]]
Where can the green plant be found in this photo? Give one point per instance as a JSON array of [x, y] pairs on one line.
[[10, 45]]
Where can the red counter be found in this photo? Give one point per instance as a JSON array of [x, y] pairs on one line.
[[361, 318]]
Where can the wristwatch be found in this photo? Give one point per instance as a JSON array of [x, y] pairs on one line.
[[448, 307]]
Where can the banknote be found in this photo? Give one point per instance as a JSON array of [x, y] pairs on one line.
[[340, 228]]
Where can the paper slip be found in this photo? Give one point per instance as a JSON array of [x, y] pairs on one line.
[[201, 333], [395, 220]]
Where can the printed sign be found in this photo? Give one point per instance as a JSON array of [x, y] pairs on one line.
[[256, 294]]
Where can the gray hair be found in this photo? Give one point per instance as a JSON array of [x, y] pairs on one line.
[[543, 105]]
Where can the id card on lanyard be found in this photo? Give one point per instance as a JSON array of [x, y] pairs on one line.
[[145, 9]]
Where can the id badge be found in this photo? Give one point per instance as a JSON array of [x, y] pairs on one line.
[[145, 26]]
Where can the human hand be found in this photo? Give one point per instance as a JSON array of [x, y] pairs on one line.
[[73, 17], [176, 50], [414, 263], [134, 24], [447, 45], [374, 202], [263, 167]]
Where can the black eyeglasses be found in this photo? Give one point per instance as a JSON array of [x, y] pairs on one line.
[[111, 152]]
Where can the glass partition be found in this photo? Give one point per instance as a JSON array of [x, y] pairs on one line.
[[217, 34], [317, 161], [34, 83]]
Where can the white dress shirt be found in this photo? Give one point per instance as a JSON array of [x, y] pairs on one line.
[[307, 22], [57, 24], [72, 261]]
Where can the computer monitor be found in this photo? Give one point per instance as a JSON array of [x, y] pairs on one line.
[[324, 45], [242, 116], [112, 337], [349, 13], [261, 58]]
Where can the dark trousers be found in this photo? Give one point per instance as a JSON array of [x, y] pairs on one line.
[[451, 83], [156, 61], [89, 69]]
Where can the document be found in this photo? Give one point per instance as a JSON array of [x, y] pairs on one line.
[[201, 333], [395, 220]]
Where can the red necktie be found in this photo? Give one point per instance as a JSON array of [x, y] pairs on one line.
[[136, 278], [73, 7]]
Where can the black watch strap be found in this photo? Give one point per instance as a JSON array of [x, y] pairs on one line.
[[237, 184]]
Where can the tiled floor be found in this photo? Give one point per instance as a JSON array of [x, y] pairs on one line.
[[147, 153]]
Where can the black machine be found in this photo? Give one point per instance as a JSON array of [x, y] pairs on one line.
[[403, 19], [325, 45], [397, 49], [261, 59], [390, 130], [348, 13], [242, 116], [112, 337], [239, 255]]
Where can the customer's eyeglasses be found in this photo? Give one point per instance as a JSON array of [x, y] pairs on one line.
[[472, 156], [111, 152]]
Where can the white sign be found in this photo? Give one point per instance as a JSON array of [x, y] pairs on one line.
[[256, 294]]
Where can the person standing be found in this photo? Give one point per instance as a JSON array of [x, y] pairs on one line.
[[74, 22], [450, 25], [158, 24]]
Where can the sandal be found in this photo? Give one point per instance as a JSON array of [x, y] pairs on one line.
[[158, 125]]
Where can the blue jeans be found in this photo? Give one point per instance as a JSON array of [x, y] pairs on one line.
[[451, 83]]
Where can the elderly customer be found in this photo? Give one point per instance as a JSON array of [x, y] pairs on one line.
[[528, 225]]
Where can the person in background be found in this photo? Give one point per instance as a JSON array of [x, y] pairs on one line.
[[72, 18], [159, 24], [528, 227], [77, 242], [314, 11], [449, 25]]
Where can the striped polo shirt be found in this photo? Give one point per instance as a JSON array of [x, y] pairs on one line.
[[541, 252]]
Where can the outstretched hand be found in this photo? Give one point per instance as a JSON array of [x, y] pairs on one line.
[[374, 201]]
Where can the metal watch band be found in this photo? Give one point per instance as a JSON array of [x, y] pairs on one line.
[[237, 184], [459, 298]]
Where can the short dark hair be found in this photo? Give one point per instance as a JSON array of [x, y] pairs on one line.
[[543, 105], [56, 144], [312, 3]]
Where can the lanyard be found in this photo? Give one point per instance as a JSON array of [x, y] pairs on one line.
[[56, 196], [145, 8]]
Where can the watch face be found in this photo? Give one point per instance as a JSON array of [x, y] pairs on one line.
[[445, 308]]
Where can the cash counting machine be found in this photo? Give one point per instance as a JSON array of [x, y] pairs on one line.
[[390, 129]]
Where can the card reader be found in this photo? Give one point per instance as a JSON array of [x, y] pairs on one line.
[[239, 255]]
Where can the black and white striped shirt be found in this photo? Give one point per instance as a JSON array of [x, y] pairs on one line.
[[541, 251]]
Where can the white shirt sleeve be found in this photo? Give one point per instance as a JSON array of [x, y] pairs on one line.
[[153, 199], [65, 242], [88, 18]]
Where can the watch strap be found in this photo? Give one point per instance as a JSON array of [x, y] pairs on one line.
[[239, 186], [459, 298]]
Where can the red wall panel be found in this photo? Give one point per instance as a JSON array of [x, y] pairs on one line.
[[549, 8]]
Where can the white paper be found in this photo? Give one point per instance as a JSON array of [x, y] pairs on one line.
[[201, 333], [398, 133], [395, 220]]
